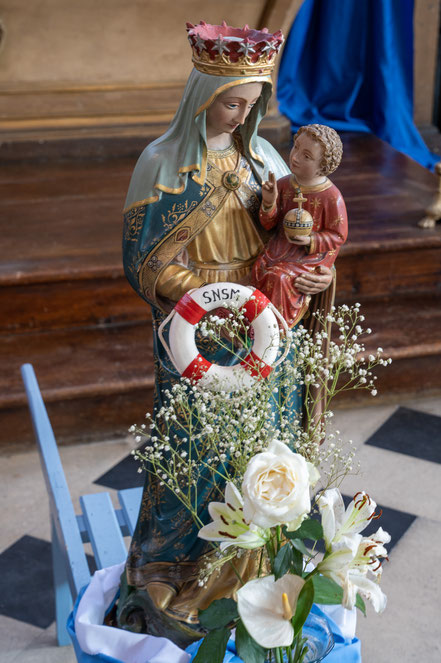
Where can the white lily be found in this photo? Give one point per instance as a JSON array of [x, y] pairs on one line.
[[338, 523], [352, 578], [349, 562], [229, 526], [370, 550], [266, 607], [356, 582]]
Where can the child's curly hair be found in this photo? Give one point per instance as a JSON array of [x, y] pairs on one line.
[[331, 143]]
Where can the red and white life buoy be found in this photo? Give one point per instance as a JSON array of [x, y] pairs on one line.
[[190, 310]]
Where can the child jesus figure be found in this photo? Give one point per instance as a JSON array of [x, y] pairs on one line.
[[316, 153]]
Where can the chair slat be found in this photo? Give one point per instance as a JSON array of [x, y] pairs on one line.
[[61, 507], [122, 522], [104, 530], [130, 500]]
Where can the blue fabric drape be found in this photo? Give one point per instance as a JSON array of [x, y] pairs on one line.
[[349, 64], [345, 650]]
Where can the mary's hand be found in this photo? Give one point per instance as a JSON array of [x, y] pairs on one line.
[[314, 282]]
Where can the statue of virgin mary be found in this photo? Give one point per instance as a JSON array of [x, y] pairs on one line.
[[191, 218]]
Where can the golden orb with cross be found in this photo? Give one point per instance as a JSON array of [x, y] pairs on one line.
[[297, 221]]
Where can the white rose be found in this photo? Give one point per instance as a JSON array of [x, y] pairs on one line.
[[275, 487]]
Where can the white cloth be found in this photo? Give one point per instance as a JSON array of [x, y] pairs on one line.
[[346, 620], [95, 638]]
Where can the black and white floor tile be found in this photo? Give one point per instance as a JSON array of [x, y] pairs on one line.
[[399, 450]]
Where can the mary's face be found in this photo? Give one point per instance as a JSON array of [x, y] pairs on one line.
[[231, 108]]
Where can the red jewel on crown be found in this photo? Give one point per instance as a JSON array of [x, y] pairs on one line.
[[225, 51]]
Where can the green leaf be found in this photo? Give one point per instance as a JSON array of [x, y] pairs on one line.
[[304, 605], [327, 591], [219, 613], [297, 565], [270, 551], [247, 648], [283, 562], [213, 646], [311, 529], [300, 546]]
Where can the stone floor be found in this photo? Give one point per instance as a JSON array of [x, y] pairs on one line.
[[406, 485]]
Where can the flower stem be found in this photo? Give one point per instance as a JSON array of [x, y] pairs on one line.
[[300, 650], [279, 655], [278, 531], [270, 551], [239, 577], [311, 573], [260, 564]]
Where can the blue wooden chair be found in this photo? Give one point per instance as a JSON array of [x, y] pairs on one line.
[[98, 523]]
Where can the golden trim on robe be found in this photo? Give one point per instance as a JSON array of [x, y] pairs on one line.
[[222, 247], [326, 184]]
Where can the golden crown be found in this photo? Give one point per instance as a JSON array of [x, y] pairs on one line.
[[221, 50]]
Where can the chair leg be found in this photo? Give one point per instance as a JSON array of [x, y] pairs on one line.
[[63, 596]]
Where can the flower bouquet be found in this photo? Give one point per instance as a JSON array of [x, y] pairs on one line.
[[280, 507]]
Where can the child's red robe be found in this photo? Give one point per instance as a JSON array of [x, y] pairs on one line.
[[279, 265]]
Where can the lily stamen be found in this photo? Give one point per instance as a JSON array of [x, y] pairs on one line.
[[361, 501], [377, 567], [368, 548]]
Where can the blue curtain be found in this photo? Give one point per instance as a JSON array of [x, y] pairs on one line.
[[349, 64]]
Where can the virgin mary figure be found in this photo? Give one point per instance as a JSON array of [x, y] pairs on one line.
[[191, 218]]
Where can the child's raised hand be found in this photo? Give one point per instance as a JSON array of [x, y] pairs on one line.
[[269, 190]]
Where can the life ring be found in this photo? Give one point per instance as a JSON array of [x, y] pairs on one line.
[[191, 308]]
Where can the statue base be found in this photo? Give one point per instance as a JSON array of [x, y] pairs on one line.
[[136, 612]]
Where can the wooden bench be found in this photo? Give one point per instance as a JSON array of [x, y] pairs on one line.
[[99, 523]]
